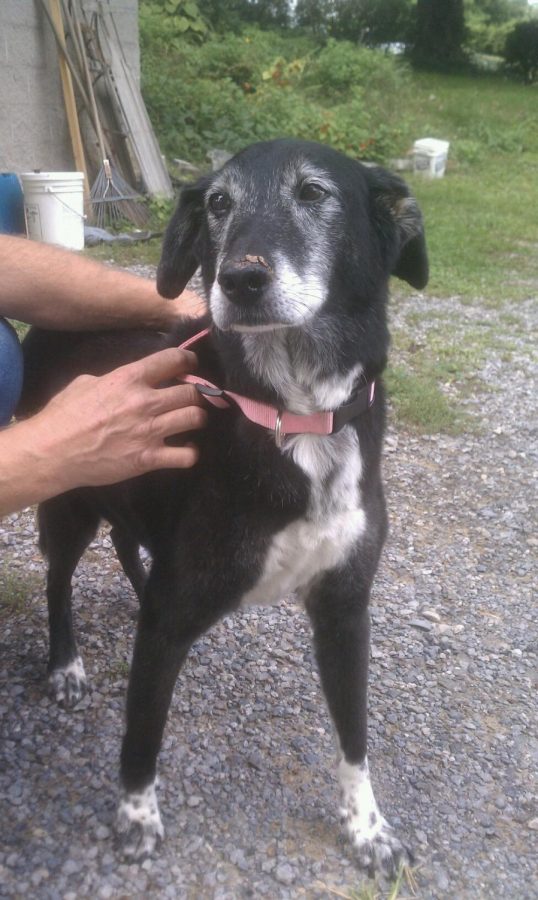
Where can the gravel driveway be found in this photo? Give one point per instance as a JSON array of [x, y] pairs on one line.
[[248, 792]]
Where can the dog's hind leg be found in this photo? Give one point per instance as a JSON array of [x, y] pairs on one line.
[[66, 527], [128, 552], [342, 637]]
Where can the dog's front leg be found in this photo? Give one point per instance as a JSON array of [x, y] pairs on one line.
[[167, 627], [342, 637]]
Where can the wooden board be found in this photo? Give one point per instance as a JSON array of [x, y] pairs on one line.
[[136, 123], [54, 13]]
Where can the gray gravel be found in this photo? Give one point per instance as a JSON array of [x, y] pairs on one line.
[[248, 793]]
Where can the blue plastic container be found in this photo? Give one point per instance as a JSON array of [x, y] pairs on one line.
[[11, 205]]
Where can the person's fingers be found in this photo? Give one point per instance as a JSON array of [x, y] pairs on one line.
[[165, 364], [177, 396], [165, 457], [177, 421]]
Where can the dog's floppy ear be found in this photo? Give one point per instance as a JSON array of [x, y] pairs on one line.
[[398, 212], [179, 259]]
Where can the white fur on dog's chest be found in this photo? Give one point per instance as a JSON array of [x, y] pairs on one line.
[[334, 521]]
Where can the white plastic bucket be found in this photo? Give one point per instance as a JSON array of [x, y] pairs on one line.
[[430, 157], [54, 207]]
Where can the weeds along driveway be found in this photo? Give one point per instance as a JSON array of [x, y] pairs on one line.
[[248, 792]]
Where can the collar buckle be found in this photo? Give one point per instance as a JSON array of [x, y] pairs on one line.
[[208, 390]]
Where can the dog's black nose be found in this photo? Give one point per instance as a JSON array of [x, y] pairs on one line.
[[244, 281]]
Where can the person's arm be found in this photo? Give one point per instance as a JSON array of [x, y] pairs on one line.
[[56, 289], [102, 430]]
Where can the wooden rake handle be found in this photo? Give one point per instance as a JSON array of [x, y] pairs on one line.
[[67, 69]]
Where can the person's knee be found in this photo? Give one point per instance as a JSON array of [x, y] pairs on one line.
[[11, 371]]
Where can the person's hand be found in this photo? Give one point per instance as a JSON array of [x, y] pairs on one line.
[[101, 430]]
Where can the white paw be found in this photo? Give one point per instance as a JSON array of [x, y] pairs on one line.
[[68, 684], [378, 850], [138, 823], [376, 845]]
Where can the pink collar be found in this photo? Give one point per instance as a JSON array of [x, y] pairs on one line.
[[281, 422]]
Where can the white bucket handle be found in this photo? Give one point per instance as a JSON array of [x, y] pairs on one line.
[[75, 212]]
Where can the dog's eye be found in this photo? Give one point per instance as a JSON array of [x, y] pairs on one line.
[[220, 203], [311, 191]]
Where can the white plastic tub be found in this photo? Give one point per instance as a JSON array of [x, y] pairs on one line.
[[54, 207], [430, 157]]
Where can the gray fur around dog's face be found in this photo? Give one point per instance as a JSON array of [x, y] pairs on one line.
[[277, 248], [283, 225]]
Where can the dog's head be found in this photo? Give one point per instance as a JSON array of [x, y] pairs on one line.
[[287, 226]]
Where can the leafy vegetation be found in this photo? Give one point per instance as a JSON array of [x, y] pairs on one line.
[[235, 89]]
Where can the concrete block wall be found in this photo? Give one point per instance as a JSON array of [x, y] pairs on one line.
[[33, 126]]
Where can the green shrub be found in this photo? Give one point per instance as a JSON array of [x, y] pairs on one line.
[[341, 66], [231, 90]]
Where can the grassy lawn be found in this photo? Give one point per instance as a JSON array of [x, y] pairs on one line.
[[481, 219]]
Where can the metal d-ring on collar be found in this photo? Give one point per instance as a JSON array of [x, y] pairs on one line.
[[278, 429]]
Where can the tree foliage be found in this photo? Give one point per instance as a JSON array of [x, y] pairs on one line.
[[368, 22], [230, 15], [496, 12], [488, 23], [439, 33], [521, 51]]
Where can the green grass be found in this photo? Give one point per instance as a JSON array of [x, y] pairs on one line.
[[481, 221], [446, 357], [16, 589], [20, 327], [143, 254], [420, 403], [405, 880]]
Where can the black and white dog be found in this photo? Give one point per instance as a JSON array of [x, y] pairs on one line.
[[296, 244]]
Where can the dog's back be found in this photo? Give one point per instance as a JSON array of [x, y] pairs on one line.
[[52, 359]]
